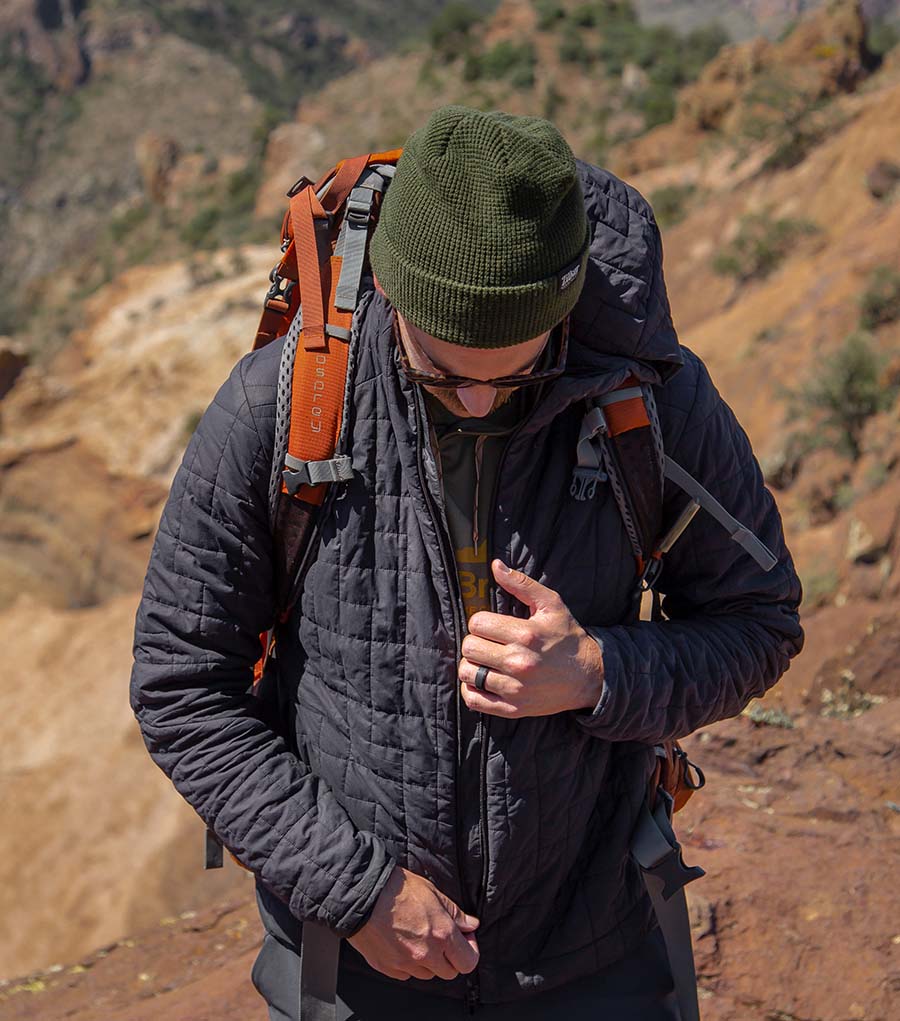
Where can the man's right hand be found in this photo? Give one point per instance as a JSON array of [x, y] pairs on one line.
[[415, 931]]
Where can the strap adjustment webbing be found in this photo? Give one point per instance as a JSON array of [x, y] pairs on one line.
[[299, 473], [319, 958], [352, 242], [738, 532], [656, 850]]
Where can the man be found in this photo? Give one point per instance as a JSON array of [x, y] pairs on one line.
[[472, 704]]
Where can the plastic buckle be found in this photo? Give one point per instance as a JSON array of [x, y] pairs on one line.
[[584, 482], [298, 185], [689, 782], [278, 293], [358, 212], [651, 573]]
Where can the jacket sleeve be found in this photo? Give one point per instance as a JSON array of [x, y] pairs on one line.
[[732, 627], [207, 597]]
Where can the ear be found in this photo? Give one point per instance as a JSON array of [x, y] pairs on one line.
[[378, 286]]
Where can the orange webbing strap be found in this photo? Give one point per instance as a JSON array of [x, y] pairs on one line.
[[305, 210], [628, 414], [348, 173], [317, 393]]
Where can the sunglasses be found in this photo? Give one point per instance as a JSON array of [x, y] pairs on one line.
[[452, 382]]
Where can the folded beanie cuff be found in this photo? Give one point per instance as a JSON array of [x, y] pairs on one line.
[[475, 315]]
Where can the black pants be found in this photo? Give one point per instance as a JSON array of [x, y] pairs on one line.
[[639, 988]]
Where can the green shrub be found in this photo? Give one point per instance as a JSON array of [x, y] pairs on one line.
[[820, 589], [586, 15], [768, 335], [771, 716], [670, 203], [123, 224], [846, 390], [552, 102], [513, 61], [198, 231], [240, 190], [793, 145], [573, 49], [449, 33], [847, 700], [472, 69], [548, 13], [760, 246], [881, 36], [880, 302], [669, 59], [656, 103]]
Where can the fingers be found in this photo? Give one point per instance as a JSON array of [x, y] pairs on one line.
[[481, 651], [528, 591], [486, 702], [498, 627], [461, 952]]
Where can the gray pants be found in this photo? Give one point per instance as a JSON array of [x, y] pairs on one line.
[[639, 988]]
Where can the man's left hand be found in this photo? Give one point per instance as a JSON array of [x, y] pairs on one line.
[[539, 666]]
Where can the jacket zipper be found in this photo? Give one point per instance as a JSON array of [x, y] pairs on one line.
[[473, 992], [473, 989], [485, 721]]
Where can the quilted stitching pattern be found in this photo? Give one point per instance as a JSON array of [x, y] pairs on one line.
[[374, 664]]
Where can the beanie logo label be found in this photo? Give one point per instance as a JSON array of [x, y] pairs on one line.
[[569, 275]]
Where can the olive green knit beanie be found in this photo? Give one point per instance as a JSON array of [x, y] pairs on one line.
[[482, 236]]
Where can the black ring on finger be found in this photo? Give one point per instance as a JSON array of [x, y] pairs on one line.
[[481, 677]]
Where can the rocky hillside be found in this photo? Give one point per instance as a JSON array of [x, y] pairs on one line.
[[777, 181], [131, 130]]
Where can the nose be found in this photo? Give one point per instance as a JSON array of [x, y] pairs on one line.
[[477, 400]]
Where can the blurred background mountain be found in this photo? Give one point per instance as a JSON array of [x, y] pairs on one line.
[[145, 150]]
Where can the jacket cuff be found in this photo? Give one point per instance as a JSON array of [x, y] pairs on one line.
[[354, 920], [602, 716]]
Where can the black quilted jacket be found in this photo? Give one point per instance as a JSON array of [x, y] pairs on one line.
[[531, 828]]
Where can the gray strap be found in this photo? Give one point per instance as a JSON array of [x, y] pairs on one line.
[[665, 875], [319, 952], [741, 535], [374, 178], [299, 473], [674, 533], [340, 332], [355, 230], [212, 851], [588, 471]]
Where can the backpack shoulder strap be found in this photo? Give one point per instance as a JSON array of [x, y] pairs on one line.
[[621, 443], [622, 434], [314, 297], [313, 301]]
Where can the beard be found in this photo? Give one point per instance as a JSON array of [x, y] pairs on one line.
[[456, 407]]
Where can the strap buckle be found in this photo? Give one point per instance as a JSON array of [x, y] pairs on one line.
[[656, 849], [298, 185], [651, 572], [358, 212], [276, 294], [584, 482], [299, 473]]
